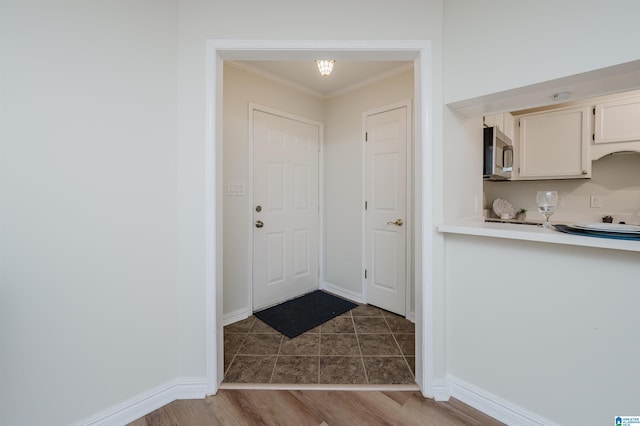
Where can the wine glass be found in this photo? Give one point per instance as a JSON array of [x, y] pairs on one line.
[[547, 202]]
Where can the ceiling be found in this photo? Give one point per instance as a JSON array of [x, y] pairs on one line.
[[304, 75]]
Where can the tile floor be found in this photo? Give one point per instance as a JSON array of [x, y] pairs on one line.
[[366, 345]]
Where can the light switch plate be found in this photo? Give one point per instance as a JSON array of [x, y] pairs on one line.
[[236, 188]]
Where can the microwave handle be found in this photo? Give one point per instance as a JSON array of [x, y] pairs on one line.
[[509, 167]]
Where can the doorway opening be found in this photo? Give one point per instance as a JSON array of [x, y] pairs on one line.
[[217, 53]]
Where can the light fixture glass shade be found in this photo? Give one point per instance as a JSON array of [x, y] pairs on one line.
[[325, 66]]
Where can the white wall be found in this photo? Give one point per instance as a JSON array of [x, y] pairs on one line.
[[88, 206], [343, 176], [550, 329], [240, 89], [497, 45], [560, 364], [463, 176]]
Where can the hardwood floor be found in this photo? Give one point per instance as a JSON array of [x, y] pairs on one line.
[[326, 408]]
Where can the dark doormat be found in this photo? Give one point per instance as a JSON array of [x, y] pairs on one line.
[[296, 316]]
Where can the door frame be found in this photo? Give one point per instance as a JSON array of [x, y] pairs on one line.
[[427, 187], [257, 107], [408, 261]]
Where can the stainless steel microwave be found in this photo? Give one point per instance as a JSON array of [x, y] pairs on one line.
[[498, 155]]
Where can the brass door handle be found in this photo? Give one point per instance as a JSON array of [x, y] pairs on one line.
[[259, 224], [398, 222]]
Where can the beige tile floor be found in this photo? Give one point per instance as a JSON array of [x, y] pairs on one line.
[[366, 345]]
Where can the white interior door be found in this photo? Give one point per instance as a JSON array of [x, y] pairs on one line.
[[386, 209], [285, 198]]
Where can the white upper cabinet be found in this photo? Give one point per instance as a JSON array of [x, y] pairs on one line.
[[554, 145], [616, 127], [504, 122]]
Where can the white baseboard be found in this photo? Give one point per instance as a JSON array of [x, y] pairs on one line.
[[441, 390], [493, 405], [354, 297], [236, 316], [342, 292], [145, 403]]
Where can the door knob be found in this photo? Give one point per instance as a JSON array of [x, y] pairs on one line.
[[259, 224], [398, 222]]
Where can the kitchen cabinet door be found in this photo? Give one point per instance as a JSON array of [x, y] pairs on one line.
[[617, 127], [555, 144], [504, 122]]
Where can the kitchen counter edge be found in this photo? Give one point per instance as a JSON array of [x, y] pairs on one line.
[[534, 233]]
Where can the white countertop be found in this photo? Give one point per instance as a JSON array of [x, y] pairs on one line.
[[534, 233]]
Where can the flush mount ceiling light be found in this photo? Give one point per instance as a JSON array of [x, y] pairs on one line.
[[325, 66], [561, 96]]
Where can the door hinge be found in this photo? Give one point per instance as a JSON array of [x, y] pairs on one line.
[[518, 123], [365, 274], [594, 110], [593, 136], [365, 205], [366, 136]]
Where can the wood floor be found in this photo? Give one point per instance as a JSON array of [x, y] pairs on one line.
[[326, 408]]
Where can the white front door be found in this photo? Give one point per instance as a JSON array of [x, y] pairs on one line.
[[386, 221], [285, 208]]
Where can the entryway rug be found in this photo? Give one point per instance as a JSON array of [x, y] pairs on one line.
[[296, 316]]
